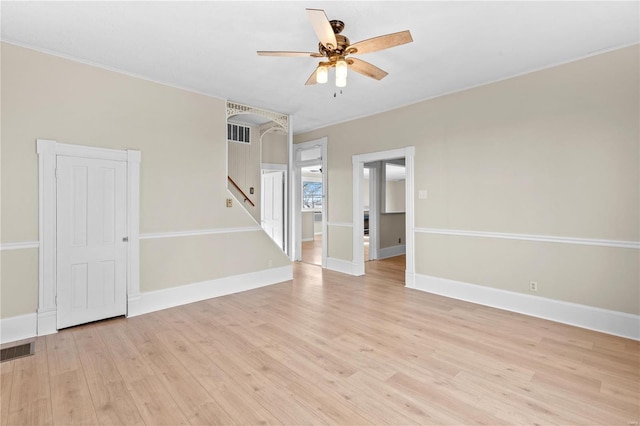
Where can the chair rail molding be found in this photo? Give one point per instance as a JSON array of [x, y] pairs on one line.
[[531, 237]]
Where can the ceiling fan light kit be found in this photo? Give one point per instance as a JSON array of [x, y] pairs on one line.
[[335, 47], [322, 74]]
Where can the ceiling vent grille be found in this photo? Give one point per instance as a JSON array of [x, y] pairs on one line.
[[238, 133]]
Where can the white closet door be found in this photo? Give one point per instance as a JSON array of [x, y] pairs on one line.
[[91, 233]]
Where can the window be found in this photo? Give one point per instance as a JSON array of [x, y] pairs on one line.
[[238, 133], [311, 195]]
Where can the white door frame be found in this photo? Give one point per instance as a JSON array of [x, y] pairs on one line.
[[374, 212], [285, 169], [48, 151], [296, 196], [358, 208]]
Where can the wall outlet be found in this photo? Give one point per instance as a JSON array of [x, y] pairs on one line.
[[229, 202], [533, 286], [399, 240]]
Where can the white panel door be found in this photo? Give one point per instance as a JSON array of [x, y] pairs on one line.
[[91, 207], [272, 220]]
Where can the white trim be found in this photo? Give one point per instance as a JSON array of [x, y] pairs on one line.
[[47, 322], [291, 222], [343, 266], [374, 210], [48, 150], [133, 224], [358, 162], [589, 317], [18, 327], [20, 246], [162, 299], [344, 224], [196, 232], [392, 251], [306, 240], [529, 237]]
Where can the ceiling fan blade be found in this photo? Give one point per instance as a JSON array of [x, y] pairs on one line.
[[312, 79], [289, 54], [381, 42], [365, 68], [322, 28]]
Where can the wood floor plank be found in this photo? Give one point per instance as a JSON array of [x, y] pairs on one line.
[[6, 381], [188, 394], [155, 405], [463, 406], [31, 399], [111, 399], [209, 369]]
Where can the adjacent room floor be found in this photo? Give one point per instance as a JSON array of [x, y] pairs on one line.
[[326, 348], [312, 250]]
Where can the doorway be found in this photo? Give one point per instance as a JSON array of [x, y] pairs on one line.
[[272, 205], [312, 200], [309, 207], [359, 162], [99, 250]]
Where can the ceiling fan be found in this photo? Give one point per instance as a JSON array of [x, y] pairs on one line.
[[335, 48]]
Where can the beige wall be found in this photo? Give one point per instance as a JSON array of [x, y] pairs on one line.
[[182, 137], [555, 152], [394, 196], [392, 228], [307, 226], [274, 148]]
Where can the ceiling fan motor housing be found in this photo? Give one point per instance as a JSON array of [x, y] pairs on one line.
[[340, 50]]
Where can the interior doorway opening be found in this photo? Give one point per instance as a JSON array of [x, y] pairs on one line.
[[309, 202], [395, 208], [312, 200], [273, 204]]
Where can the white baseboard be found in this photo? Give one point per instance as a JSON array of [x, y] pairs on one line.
[[18, 328], [176, 296], [589, 317], [344, 266], [392, 251], [43, 323], [306, 240]]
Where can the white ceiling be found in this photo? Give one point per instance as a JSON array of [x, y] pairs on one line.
[[210, 46]]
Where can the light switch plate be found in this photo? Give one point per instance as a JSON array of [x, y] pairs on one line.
[[422, 194]]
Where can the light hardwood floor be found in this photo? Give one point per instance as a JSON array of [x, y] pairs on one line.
[[326, 348], [312, 250]]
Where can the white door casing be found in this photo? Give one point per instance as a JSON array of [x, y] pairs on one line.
[[358, 162], [91, 235], [272, 217], [48, 151]]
